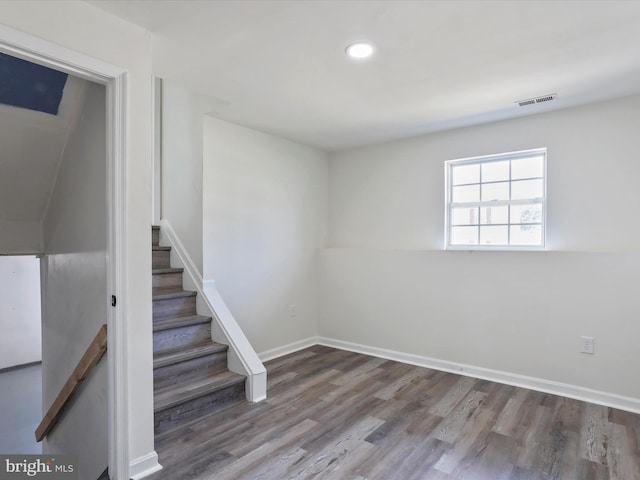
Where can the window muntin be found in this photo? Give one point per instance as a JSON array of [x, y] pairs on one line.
[[496, 201]]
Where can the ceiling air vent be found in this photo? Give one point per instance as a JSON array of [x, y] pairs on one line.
[[533, 101]]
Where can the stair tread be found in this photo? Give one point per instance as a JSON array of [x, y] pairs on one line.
[[176, 294], [171, 357], [160, 271], [185, 391], [160, 248], [160, 324]]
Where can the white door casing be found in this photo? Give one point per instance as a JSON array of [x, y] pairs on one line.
[[48, 54]]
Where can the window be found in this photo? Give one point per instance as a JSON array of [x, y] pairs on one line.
[[496, 201]]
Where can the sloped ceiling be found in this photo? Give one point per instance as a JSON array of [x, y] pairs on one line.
[[31, 146], [279, 66]]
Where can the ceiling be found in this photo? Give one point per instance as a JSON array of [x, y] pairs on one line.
[[279, 66]]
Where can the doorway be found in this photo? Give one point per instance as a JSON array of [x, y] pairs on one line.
[[45, 53], [54, 171]]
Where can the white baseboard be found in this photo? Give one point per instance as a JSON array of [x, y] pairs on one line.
[[144, 466], [287, 349], [613, 400]]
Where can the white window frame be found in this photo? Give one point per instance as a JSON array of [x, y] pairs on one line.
[[487, 159]]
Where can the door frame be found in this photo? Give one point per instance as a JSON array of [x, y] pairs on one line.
[[114, 78]]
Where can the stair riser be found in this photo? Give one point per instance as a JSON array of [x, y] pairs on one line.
[[161, 259], [155, 236], [167, 282], [177, 416], [174, 307], [189, 370], [181, 337]]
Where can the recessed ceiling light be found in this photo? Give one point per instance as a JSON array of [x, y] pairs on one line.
[[359, 50]]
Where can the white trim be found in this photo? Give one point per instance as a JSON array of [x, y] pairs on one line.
[[42, 52], [156, 186], [179, 253], [598, 397], [117, 261], [287, 349], [51, 55], [484, 159], [242, 358], [144, 466]]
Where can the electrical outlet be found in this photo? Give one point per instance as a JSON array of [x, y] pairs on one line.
[[587, 345], [292, 310]]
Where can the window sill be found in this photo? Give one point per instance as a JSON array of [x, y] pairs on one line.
[[496, 248]]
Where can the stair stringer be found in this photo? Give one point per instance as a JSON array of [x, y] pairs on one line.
[[242, 358]]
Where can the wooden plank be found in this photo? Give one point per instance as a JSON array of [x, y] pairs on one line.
[[621, 461], [91, 357], [594, 434], [457, 392]]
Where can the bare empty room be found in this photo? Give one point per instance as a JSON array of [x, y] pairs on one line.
[[356, 239]]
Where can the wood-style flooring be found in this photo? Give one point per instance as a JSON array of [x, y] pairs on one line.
[[333, 414]]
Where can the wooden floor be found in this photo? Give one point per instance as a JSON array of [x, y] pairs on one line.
[[333, 414]]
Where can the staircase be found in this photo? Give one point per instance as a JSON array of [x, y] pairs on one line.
[[189, 369]]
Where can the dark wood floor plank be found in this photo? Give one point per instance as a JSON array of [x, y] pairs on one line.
[[450, 399], [587, 470], [282, 453], [336, 451], [392, 389], [468, 441], [509, 418], [619, 454], [333, 414], [532, 437], [458, 421], [495, 462], [358, 374], [395, 424]]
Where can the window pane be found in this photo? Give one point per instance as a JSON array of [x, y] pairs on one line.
[[494, 235], [461, 174], [531, 213], [492, 215], [495, 191], [464, 235], [495, 171], [527, 167], [464, 216], [523, 189], [497, 200], [469, 193], [526, 235]]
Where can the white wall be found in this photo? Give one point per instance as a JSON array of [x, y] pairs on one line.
[[265, 202], [20, 342], [74, 286], [391, 195], [18, 238], [517, 312], [83, 28], [182, 115]]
